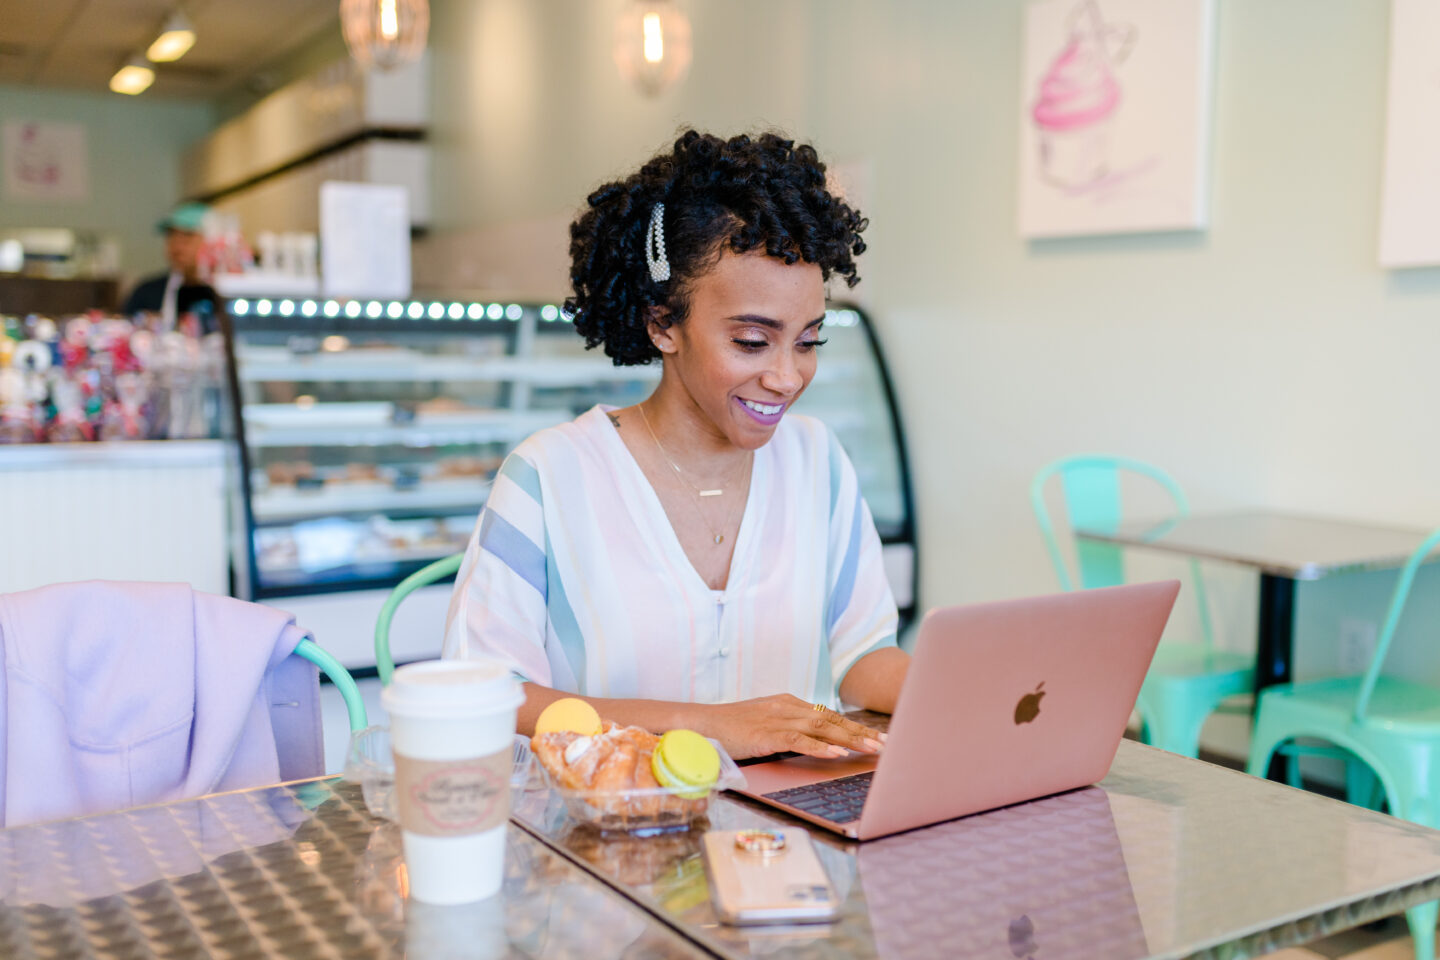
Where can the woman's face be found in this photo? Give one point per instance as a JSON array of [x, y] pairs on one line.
[[749, 345]]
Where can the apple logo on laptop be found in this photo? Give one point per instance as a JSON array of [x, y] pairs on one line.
[[1022, 937], [1029, 706]]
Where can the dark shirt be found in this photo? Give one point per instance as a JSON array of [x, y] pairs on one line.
[[150, 294]]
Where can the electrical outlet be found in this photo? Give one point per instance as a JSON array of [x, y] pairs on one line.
[[1357, 646]]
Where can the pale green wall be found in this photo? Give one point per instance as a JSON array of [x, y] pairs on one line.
[[134, 148], [1266, 361]]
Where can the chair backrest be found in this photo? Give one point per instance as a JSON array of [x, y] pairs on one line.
[[335, 670], [1392, 620], [1091, 487], [439, 570]]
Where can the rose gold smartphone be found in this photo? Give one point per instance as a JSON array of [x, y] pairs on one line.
[[767, 880]]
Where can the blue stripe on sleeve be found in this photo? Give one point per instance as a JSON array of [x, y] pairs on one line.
[[845, 583], [523, 474], [514, 549], [562, 618]]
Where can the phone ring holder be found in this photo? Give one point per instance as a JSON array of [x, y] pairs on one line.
[[767, 843]]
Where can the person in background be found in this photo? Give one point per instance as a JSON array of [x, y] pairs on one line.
[[179, 290], [704, 558]]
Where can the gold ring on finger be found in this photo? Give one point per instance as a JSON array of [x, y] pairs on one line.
[[818, 707]]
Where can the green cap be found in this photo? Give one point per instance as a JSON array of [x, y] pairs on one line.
[[187, 217]]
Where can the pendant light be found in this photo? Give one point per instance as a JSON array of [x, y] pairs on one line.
[[134, 77], [176, 38], [652, 45], [385, 33]]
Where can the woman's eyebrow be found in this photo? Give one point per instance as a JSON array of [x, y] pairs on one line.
[[771, 323]]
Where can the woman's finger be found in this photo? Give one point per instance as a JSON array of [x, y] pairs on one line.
[[797, 742], [836, 728]]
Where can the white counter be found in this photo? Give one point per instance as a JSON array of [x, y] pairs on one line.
[[114, 511]]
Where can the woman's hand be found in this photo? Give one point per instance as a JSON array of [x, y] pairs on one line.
[[781, 723]]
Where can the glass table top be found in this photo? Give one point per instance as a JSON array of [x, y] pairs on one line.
[[295, 871], [1167, 857], [1301, 548]]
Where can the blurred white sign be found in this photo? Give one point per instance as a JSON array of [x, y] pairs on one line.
[[364, 240], [45, 161]]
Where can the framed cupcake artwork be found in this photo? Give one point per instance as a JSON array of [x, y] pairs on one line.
[[1115, 116]]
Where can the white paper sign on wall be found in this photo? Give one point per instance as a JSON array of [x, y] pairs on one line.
[[45, 162], [1410, 204], [364, 240], [1115, 116]]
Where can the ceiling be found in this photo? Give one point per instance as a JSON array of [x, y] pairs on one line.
[[81, 43]]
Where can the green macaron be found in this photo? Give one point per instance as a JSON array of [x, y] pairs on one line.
[[683, 758]]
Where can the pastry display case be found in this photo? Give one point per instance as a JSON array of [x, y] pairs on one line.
[[370, 431]]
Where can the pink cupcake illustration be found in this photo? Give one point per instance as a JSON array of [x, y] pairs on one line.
[[1078, 98]]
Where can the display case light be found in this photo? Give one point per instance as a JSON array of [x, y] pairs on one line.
[[240, 307], [287, 308], [309, 308], [396, 310], [373, 309], [476, 311], [495, 311], [513, 312], [263, 307], [176, 38], [416, 311], [133, 78], [437, 311], [457, 311], [549, 312], [352, 309], [332, 308]]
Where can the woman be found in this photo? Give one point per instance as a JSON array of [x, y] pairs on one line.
[[700, 559]]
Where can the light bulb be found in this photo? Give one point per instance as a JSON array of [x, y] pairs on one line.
[[654, 38], [389, 20]]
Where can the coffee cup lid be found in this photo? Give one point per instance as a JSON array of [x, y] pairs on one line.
[[452, 688]]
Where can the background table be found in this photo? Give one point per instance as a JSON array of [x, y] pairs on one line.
[[298, 871], [1284, 548], [1167, 857]]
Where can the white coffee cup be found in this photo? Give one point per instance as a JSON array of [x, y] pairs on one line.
[[452, 732]]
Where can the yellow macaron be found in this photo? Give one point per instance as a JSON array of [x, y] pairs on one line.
[[568, 715], [683, 758]]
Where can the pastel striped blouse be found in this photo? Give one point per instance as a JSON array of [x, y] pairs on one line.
[[574, 575]]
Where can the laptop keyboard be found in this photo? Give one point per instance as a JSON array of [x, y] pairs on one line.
[[839, 801]]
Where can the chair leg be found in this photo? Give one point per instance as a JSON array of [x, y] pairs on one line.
[[1422, 919], [1173, 723]]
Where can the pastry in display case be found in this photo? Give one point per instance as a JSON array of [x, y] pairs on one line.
[[371, 430]]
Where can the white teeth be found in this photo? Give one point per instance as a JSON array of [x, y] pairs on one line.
[[765, 410]]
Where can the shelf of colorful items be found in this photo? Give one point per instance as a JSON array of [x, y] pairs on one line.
[[94, 377]]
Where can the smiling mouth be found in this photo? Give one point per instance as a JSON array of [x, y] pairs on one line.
[[764, 409]]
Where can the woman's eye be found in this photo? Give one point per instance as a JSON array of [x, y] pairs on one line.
[[811, 344], [750, 344]]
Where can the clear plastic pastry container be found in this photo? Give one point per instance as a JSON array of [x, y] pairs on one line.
[[643, 811], [370, 764]]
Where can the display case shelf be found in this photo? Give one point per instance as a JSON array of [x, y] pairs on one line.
[[289, 503], [427, 431]]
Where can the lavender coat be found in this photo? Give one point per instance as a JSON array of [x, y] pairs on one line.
[[119, 694]]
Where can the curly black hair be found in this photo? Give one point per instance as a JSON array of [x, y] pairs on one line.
[[748, 193]]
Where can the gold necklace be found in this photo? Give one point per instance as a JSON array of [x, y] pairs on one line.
[[717, 536]]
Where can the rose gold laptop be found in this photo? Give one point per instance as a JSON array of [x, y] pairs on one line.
[[1004, 702]]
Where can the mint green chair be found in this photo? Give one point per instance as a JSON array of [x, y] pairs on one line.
[[1391, 725], [1186, 682], [439, 570], [349, 692]]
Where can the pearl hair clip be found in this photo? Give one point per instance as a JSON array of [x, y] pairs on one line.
[[655, 245]]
